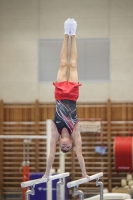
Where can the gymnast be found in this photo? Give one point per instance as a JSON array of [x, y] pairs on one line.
[[65, 127]]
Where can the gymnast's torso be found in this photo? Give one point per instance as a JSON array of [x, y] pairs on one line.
[[65, 115]]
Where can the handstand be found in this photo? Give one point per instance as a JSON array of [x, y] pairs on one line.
[[65, 127]]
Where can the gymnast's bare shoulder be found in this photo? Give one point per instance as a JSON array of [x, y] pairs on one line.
[[76, 131], [76, 136], [54, 132]]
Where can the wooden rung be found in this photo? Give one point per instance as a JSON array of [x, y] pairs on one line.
[[18, 123], [12, 192], [11, 188], [12, 178]]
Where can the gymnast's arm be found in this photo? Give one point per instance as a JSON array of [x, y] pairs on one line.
[[51, 157], [78, 148]]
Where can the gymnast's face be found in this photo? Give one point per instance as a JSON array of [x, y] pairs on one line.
[[65, 144]]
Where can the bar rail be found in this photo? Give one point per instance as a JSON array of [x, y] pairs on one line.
[[42, 180], [84, 180]]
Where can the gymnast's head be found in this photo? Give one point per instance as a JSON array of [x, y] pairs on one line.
[[66, 144]]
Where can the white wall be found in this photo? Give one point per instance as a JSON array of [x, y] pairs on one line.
[[24, 22]]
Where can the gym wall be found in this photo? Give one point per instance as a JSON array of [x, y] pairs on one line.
[[23, 23]]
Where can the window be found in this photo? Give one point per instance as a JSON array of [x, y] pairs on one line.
[[93, 59]]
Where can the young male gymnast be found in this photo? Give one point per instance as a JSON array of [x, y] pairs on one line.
[[65, 127]]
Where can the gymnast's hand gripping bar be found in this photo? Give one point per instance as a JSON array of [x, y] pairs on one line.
[[84, 180], [42, 180]]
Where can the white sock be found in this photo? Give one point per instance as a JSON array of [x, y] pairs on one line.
[[67, 27], [73, 27]]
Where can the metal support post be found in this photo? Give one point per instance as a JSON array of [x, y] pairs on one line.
[[58, 192], [28, 193], [78, 192], [101, 188]]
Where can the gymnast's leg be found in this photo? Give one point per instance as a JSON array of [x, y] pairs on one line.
[[73, 74], [62, 73]]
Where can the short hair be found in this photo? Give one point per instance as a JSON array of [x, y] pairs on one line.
[[66, 151]]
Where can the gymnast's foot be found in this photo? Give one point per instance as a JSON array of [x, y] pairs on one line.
[[73, 27], [67, 26]]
